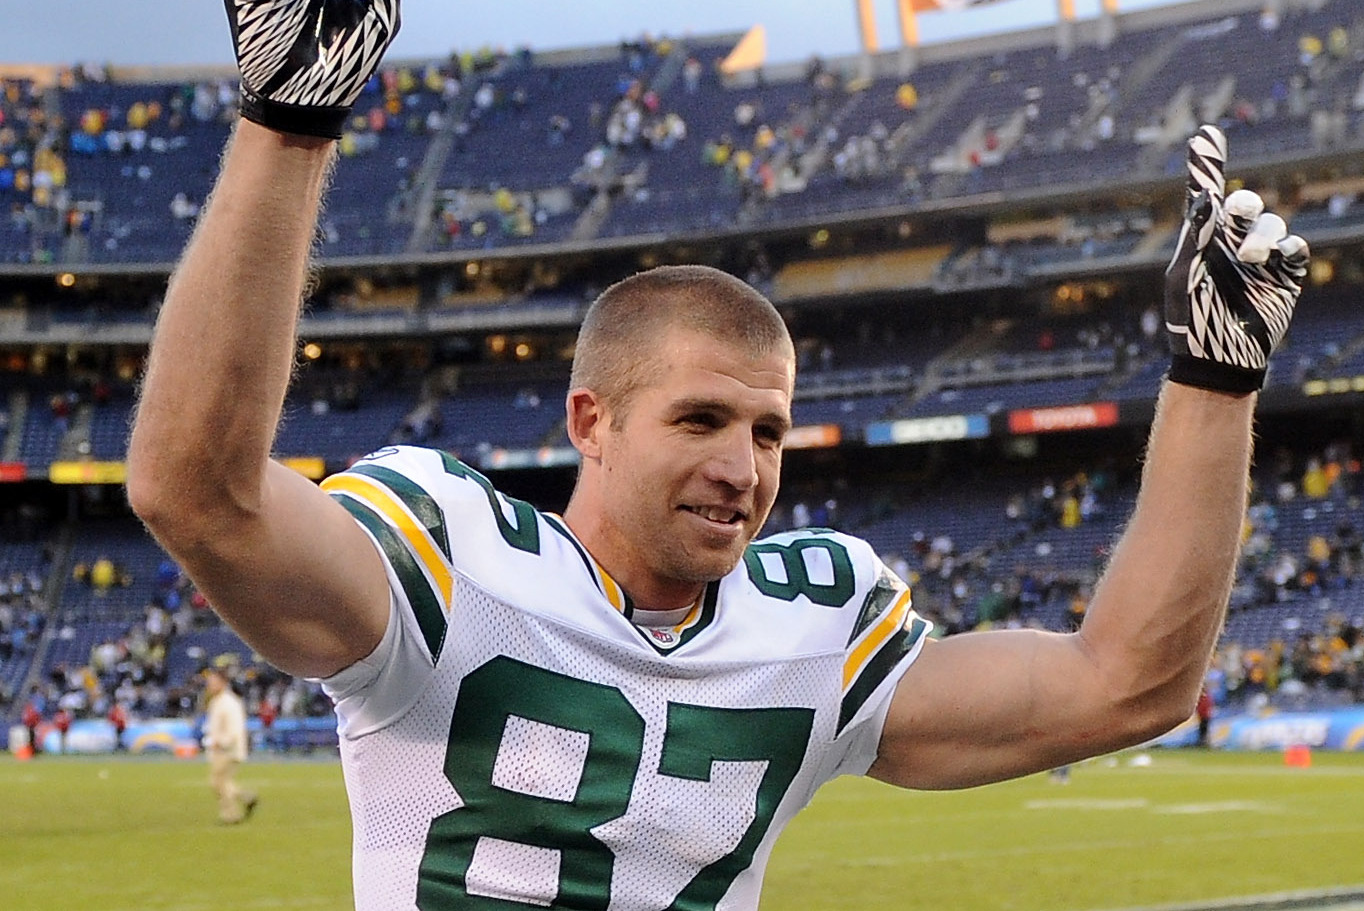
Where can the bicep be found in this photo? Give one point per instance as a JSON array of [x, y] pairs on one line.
[[983, 707], [299, 580]]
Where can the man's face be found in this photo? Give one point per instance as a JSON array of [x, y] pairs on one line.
[[692, 469]]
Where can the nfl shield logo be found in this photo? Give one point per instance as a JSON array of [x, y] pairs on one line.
[[664, 637]]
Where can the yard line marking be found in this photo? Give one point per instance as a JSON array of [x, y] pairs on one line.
[[1220, 806], [1083, 803], [1164, 809]]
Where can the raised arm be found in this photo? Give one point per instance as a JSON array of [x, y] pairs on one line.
[[277, 559], [983, 707]]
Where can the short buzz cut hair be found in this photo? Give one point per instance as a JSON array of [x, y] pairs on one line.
[[615, 354]]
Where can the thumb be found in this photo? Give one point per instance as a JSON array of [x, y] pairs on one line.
[[1194, 235]]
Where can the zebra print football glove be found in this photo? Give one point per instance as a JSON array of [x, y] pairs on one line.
[[1233, 282], [304, 62]]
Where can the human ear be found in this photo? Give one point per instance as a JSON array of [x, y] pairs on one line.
[[585, 422]]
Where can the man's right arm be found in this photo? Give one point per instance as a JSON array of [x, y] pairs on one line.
[[277, 559], [283, 564]]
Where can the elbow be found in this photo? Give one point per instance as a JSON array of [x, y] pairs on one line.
[[147, 493], [154, 502], [1141, 695], [144, 495], [147, 474], [1152, 713], [1176, 709], [151, 486], [175, 501], [1158, 723], [177, 486], [1148, 677], [184, 515]]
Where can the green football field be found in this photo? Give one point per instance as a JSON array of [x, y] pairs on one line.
[[139, 835]]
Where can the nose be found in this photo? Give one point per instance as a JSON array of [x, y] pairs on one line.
[[733, 461]]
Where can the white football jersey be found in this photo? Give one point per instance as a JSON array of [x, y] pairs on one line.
[[518, 739]]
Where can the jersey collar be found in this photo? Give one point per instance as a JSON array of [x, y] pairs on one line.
[[663, 640]]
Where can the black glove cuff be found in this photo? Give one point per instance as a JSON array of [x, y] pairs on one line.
[[1205, 374], [306, 120]]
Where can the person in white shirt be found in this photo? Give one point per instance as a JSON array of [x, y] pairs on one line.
[[225, 743]]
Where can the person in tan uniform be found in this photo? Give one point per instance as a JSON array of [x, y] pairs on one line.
[[225, 743]]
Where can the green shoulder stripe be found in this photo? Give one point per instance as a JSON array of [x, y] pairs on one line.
[[421, 503], [882, 595], [426, 606], [879, 667]]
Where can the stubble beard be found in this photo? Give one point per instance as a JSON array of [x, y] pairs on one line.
[[696, 563], [704, 567]]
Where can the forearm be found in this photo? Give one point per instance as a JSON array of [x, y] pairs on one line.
[[224, 344], [1157, 612]]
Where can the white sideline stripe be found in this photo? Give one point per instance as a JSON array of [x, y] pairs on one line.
[[1217, 806]]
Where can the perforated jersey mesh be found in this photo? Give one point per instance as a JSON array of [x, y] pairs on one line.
[[672, 826], [530, 745]]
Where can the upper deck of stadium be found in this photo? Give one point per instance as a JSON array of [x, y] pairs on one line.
[[596, 148]]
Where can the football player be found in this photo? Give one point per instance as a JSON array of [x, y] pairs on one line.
[[619, 708]]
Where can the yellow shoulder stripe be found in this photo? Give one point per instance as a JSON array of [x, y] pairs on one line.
[[883, 630], [417, 537]]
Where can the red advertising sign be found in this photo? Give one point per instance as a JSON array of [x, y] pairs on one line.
[[1067, 417], [12, 471]]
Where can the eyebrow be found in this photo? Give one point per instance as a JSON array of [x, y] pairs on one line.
[[719, 406]]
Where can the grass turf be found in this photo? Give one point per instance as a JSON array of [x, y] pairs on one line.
[[125, 834]]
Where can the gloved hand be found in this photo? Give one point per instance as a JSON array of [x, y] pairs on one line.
[[304, 62], [1234, 280]]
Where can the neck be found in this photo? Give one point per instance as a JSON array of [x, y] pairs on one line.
[[647, 591]]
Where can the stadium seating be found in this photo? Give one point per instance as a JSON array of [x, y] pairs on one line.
[[1028, 119], [137, 559], [23, 564], [479, 418], [312, 427], [963, 145]]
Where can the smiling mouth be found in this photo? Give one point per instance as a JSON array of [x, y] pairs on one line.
[[717, 514]]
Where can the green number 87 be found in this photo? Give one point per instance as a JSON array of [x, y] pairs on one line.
[[613, 731]]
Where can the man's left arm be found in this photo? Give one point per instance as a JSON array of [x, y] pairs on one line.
[[984, 707]]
